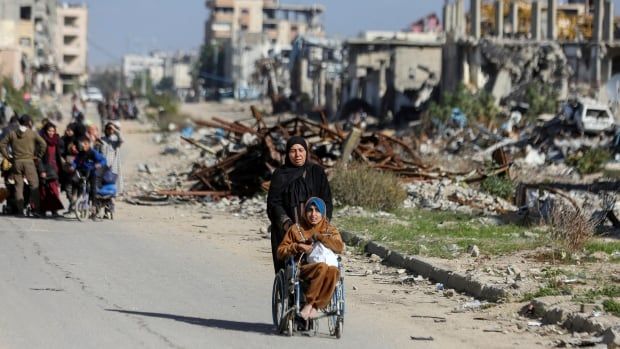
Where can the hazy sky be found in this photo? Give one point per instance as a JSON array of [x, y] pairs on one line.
[[123, 26], [136, 26]]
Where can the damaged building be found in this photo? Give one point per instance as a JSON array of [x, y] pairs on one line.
[[266, 48], [501, 46], [394, 73], [246, 31]]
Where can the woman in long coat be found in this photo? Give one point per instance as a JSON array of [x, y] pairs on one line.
[[110, 148], [50, 168], [291, 186]]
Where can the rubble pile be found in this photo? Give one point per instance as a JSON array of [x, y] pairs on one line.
[[247, 155], [449, 196], [237, 158], [515, 66]]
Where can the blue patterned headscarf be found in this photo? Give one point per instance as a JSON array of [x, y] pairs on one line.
[[318, 203]]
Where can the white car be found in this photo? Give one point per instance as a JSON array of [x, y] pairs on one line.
[[590, 116], [93, 94]]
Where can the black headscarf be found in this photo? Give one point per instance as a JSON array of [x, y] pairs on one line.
[[288, 164], [289, 172]]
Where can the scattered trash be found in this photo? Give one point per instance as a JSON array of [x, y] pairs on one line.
[[422, 338], [470, 306], [429, 317], [494, 329]]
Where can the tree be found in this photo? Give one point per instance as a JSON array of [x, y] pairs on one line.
[[166, 84], [15, 99], [137, 86], [210, 66]]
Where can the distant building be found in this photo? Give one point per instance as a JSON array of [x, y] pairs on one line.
[[244, 31], [394, 72], [27, 33], [72, 45], [178, 68], [427, 24], [136, 65], [175, 66]]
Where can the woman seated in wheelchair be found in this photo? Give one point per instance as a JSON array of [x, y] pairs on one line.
[[321, 279]]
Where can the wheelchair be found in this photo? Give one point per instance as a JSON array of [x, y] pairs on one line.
[[287, 300], [104, 206], [83, 205], [100, 206]]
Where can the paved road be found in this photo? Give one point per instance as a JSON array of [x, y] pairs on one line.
[[66, 284]]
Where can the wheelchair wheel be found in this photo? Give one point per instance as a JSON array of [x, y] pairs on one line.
[[289, 326], [336, 308], [82, 208], [279, 303], [339, 327]]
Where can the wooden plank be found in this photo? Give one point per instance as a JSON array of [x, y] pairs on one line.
[[198, 145], [193, 193]]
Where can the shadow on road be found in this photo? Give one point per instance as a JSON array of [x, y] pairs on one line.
[[266, 329]]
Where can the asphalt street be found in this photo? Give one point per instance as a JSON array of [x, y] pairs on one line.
[[67, 284]]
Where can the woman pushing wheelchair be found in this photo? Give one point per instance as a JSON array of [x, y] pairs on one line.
[[291, 186], [315, 238]]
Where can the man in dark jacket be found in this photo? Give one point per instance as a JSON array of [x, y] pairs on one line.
[[26, 147]]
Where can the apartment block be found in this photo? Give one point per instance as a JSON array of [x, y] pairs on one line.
[[72, 45], [246, 30], [136, 65], [27, 30]]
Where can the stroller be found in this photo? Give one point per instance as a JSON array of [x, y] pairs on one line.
[[104, 200]]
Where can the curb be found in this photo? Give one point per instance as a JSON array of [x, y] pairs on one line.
[[417, 265], [574, 321], [543, 308]]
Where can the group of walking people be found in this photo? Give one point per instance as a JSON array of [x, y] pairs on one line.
[[39, 163]]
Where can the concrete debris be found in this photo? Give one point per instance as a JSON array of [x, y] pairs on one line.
[[533, 157], [470, 306], [473, 250], [520, 63], [447, 195], [449, 293], [417, 338], [611, 337]]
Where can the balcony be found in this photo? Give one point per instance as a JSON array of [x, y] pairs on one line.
[[70, 21], [69, 40]]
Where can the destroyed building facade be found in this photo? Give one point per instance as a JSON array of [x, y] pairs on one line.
[[245, 31], [496, 45], [43, 44], [72, 31], [266, 48], [394, 72]]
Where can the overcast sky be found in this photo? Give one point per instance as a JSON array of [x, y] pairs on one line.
[[117, 27]]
